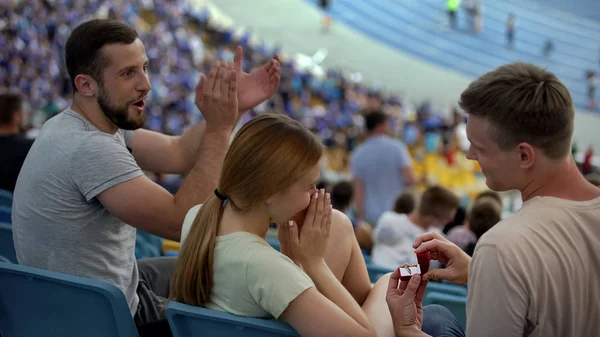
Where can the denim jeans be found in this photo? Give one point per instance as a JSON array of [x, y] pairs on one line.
[[440, 322]]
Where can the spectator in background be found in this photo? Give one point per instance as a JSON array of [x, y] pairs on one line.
[[327, 20], [548, 47], [405, 203], [592, 83], [463, 235], [341, 198], [381, 168], [478, 17], [587, 166], [395, 233], [510, 31], [452, 7], [14, 146], [484, 214]]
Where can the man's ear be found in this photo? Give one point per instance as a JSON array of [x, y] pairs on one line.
[[527, 155], [86, 85]]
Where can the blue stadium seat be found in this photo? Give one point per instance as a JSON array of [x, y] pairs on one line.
[[456, 304], [147, 244], [6, 214], [366, 256], [447, 288], [7, 247], [171, 253], [35, 302], [376, 271], [190, 321], [6, 198], [274, 242]]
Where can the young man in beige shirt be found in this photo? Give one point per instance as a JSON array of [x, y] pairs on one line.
[[535, 273]]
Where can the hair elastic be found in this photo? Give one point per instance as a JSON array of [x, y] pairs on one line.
[[221, 196]]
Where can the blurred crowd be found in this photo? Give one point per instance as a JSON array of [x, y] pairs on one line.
[[181, 44]]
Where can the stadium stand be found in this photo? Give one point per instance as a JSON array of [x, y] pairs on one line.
[[182, 42]]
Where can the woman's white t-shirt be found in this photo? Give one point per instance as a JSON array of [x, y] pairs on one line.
[[250, 278]]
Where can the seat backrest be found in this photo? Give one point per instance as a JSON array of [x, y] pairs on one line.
[[150, 245], [6, 198], [456, 304], [5, 214], [7, 247], [376, 271], [190, 321], [36, 302], [274, 242]]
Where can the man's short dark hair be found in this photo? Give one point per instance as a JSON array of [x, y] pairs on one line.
[[9, 104], [341, 195], [83, 50], [374, 119], [524, 103]]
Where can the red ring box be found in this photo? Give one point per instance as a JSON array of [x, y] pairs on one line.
[[407, 272]]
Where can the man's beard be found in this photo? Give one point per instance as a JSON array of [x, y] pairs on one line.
[[119, 114]]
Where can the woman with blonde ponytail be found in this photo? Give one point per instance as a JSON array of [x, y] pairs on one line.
[[269, 175]]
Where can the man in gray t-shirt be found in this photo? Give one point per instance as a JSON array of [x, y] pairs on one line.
[[59, 224], [81, 193]]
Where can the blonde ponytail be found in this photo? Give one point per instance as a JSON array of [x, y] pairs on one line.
[[193, 277]]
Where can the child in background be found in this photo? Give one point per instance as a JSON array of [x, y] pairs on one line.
[[484, 214], [464, 236], [395, 233], [341, 197]]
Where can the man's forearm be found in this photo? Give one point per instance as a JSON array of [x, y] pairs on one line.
[[203, 178], [189, 144]]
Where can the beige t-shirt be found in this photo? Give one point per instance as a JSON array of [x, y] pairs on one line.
[[537, 273], [250, 278]]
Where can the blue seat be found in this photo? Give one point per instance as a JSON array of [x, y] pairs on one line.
[[36, 302], [7, 247], [447, 288], [5, 214], [144, 249], [366, 256], [274, 242], [147, 244], [171, 253], [376, 271], [456, 304], [6, 198], [4, 259], [190, 321], [152, 244]]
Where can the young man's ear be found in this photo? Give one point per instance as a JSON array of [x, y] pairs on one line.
[[86, 85], [527, 155]]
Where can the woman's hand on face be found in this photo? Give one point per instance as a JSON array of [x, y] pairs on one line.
[[308, 243]]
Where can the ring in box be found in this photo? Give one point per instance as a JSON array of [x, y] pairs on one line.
[[408, 271]]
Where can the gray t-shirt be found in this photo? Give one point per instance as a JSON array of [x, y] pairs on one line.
[[58, 224]]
